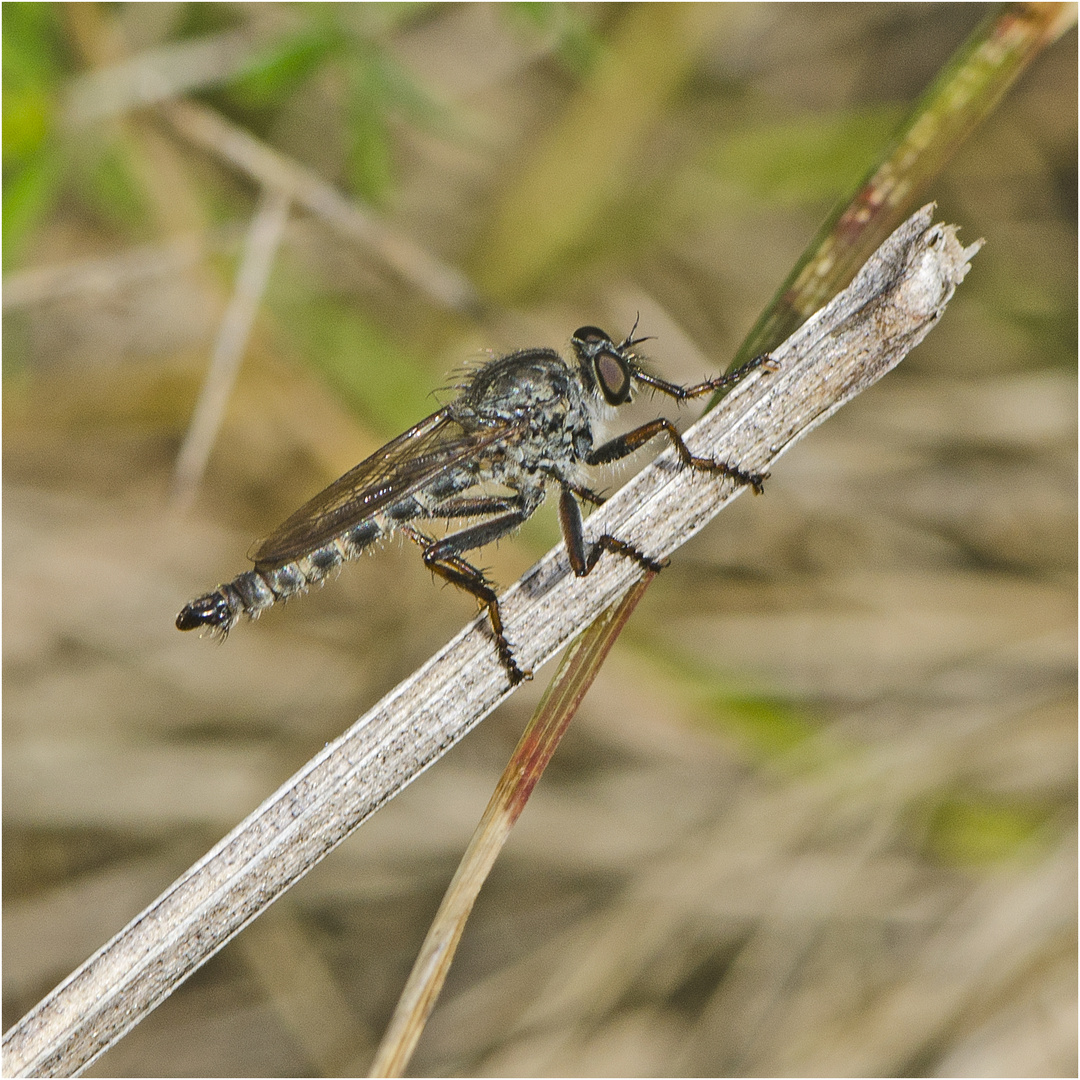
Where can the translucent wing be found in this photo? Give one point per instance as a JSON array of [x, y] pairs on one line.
[[401, 467]]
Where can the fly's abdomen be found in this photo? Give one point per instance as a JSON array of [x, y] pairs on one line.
[[248, 594], [253, 592]]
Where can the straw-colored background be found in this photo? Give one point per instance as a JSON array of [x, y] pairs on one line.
[[817, 815]]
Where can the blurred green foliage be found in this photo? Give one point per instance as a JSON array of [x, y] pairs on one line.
[[42, 161], [585, 166], [763, 726], [110, 186], [959, 828], [332, 43], [800, 162], [284, 65], [976, 829], [573, 39], [766, 726], [335, 42], [390, 389], [30, 190], [35, 63]]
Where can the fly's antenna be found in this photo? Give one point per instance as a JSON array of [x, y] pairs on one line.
[[631, 341]]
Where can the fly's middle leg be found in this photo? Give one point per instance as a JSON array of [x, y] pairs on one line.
[[584, 557], [623, 445]]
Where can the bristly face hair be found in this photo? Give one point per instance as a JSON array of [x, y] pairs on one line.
[[523, 422]]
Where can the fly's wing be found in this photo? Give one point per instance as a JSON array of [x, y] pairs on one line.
[[389, 475]]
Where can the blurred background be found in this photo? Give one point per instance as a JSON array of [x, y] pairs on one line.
[[817, 814]]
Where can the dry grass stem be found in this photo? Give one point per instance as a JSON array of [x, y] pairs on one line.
[[205, 128], [59, 281], [156, 75], [890, 306], [260, 249], [531, 756]]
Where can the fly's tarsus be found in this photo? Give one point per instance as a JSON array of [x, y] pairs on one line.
[[607, 542], [721, 382], [756, 481], [521, 421]]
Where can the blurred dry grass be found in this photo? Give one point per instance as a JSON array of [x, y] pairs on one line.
[[817, 816]]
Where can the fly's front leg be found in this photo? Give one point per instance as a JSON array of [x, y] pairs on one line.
[[623, 445], [685, 393], [583, 557], [443, 557]]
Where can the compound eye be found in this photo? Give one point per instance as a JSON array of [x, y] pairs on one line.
[[613, 375], [591, 335]]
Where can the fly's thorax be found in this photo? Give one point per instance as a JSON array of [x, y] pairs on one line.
[[545, 401], [517, 386]]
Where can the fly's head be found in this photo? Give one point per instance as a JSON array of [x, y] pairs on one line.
[[608, 369]]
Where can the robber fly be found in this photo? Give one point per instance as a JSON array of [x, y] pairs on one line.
[[521, 422]]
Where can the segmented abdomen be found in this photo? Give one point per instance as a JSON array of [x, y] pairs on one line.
[[255, 590]]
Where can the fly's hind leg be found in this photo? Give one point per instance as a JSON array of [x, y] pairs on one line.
[[443, 557]]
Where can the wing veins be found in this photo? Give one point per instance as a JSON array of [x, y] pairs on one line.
[[392, 473]]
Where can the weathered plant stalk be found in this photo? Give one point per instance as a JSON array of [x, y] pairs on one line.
[[530, 758], [893, 303]]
